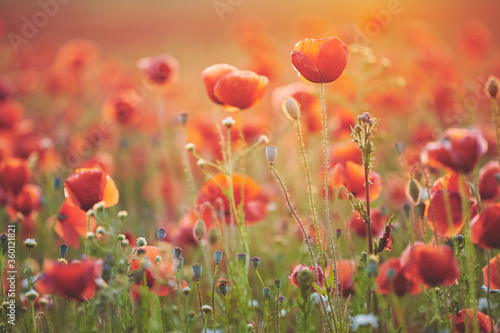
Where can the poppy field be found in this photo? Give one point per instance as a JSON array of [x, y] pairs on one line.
[[249, 166]]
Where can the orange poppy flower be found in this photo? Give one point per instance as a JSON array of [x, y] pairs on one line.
[[254, 205], [346, 274], [121, 109], [160, 278], [211, 75], [86, 187], [14, 173], [352, 176], [446, 191], [357, 224], [76, 280], [473, 316], [485, 228], [162, 69], [72, 223], [240, 90], [392, 280], [431, 265], [488, 186], [459, 149], [27, 201], [294, 276], [344, 151], [494, 274], [320, 60]]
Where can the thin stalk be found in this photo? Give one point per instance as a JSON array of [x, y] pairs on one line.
[[32, 308], [227, 314], [213, 295], [488, 257], [187, 167], [278, 312], [199, 300], [261, 281], [86, 237], [368, 220], [309, 185], [494, 106], [306, 236]]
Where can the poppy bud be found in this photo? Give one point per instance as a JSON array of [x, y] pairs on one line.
[[291, 108], [271, 153], [242, 257], [266, 292], [157, 259], [206, 309], [121, 237], [338, 232], [196, 269], [191, 314], [125, 243], [228, 122], [255, 262], [161, 234], [420, 208], [183, 118], [492, 87], [177, 253], [199, 230], [212, 236], [413, 191], [186, 291], [31, 295], [223, 289], [63, 249], [217, 256], [277, 283]]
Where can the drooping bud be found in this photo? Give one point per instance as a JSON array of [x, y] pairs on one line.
[[217, 256], [291, 108], [63, 249], [196, 269], [492, 87], [413, 191], [212, 236], [271, 153], [161, 234], [199, 230]]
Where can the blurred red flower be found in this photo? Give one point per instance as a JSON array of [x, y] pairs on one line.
[[475, 320], [430, 265], [234, 89], [76, 280], [485, 228], [121, 109], [27, 201], [459, 149], [352, 176], [392, 280], [319, 60], [488, 186], [14, 173], [72, 222], [446, 199], [494, 274], [357, 224], [346, 274], [11, 113], [294, 276], [86, 187], [254, 201], [161, 70]]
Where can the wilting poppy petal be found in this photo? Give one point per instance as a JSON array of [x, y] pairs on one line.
[[392, 280], [485, 228], [494, 274], [475, 320], [240, 89], [319, 60], [431, 265]]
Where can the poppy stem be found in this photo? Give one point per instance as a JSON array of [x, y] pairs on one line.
[[201, 306], [488, 257], [87, 250], [187, 168], [368, 216], [278, 312], [227, 314], [213, 295], [496, 117]]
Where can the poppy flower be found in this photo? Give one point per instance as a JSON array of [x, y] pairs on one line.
[[488, 186], [76, 280], [352, 176], [234, 89], [11, 113], [485, 228], [319, 60], [159, 276], [459, 150], [6, 88], [430, 265], [294, 276], [27, 201], [344, 151], [473, 318], [162, 69], [357, 224], [121, 109], [346, 274], [392, 280], [14, 173], [254, 201], [86, 187], [447, 199], [494, 274], [72, 222]]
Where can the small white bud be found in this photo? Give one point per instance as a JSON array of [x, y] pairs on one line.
[[122, 214], [291, 108], [228, 122], [190, 147], [271, 153], [201, 163], [263, 139]]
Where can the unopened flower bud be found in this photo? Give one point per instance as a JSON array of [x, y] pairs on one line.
[[121, 237], [358, 129], [186, 291], [212, 236], [413, 191], [201, 163], [125, 243], [141, 241], [223, 289], [228, 122], [266, 292], [406, 210], [217, 256], [161, 234], [196, 269], [90, 235], [242, 257], [255, 262], [492, 87], [177, 253], [183, 118], [100, 230], [122, 214], [338, 232], [191, 314], [420, 208], [30, 243], [63, 249], [271, 153], [277, 283], [157, 259], [206, 309], [31, 295], [199, 230], [291, 108]]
